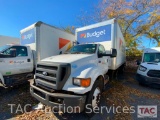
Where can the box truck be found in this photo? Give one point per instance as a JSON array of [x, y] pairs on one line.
[[75, 81], [38, 41], [149, 68]]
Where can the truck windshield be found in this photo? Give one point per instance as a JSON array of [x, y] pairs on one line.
[[84, 48], [3, 47], [151, 57]]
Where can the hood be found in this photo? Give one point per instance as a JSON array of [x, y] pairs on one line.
[[153, 66], [69, 58]]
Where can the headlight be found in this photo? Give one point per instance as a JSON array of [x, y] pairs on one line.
[[83, 82], [141, 68], [77, 81]]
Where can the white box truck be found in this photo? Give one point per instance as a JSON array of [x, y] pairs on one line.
[[75, 81], [149, 68], [38, 41]]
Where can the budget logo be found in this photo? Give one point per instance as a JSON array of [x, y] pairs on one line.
[[23, 37], [145, 111], [63, 42], [93, 34], [28, 36], [83, 35]]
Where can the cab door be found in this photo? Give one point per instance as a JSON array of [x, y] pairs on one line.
[[21, 63], [102, 60]]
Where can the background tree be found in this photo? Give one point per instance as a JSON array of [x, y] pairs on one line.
[[69, 29], [136, 17]]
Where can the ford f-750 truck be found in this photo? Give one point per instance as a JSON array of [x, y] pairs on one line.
[[38, 41], [77, 78]]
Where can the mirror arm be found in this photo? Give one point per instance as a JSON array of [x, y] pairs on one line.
[[107, 55]]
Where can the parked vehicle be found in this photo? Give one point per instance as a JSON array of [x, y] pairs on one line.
[[38, 41], [149, 68], [76, 79]]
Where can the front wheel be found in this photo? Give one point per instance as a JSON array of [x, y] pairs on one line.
[[94, 98]]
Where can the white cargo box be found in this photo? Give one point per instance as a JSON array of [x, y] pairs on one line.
[[46, 40]]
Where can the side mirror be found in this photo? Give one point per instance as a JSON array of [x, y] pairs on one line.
[[138, 62], [100, 55], [13, 52], [60, 52], [113, 52]]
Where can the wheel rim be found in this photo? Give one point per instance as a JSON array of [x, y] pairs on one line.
[[96, 98]]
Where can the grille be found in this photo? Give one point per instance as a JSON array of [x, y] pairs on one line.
[[154, 73], [52, 75]]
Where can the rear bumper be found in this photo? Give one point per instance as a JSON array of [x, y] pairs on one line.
[[147, 80], [16, 79], [59, 101]]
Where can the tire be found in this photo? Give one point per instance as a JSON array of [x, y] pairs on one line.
[[111, 74], [142, 84], [93, 101]]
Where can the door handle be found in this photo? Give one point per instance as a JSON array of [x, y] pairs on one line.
[[28, 60]]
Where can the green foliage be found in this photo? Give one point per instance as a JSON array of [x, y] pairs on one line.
[[69, 29]]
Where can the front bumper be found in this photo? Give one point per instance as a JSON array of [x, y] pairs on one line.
[[147, 80], [59, 101]]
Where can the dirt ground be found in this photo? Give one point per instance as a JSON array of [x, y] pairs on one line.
[[124, 92]]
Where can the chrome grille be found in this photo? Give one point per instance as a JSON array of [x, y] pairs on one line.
[[154, 73], [52, 75]]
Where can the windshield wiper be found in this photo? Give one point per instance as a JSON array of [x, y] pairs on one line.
[[81, 53], [152, 63], [77, 52]]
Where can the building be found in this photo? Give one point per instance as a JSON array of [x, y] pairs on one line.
[[8, 40]]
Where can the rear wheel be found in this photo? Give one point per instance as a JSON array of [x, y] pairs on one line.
[[94, 98]]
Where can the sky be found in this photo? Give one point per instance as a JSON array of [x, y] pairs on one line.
[[18, 14]]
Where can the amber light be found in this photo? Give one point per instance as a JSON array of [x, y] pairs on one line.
[[85, 82]]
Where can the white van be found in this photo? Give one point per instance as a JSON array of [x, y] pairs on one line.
[[149, 68]]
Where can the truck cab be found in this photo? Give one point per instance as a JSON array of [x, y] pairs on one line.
[[74, 79], [149, 68], [16, 64]]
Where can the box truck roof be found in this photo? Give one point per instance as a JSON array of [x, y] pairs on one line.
[[38, 24], [154, 49], [111, 21]]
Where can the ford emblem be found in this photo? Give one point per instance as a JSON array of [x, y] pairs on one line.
[[45, 73]]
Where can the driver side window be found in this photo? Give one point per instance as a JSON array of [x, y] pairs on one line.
[[101, 50], [20, 51], [8, 51]]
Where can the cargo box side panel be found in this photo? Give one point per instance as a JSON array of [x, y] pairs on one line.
[[119, 44], [54, 41], [121, 54]]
